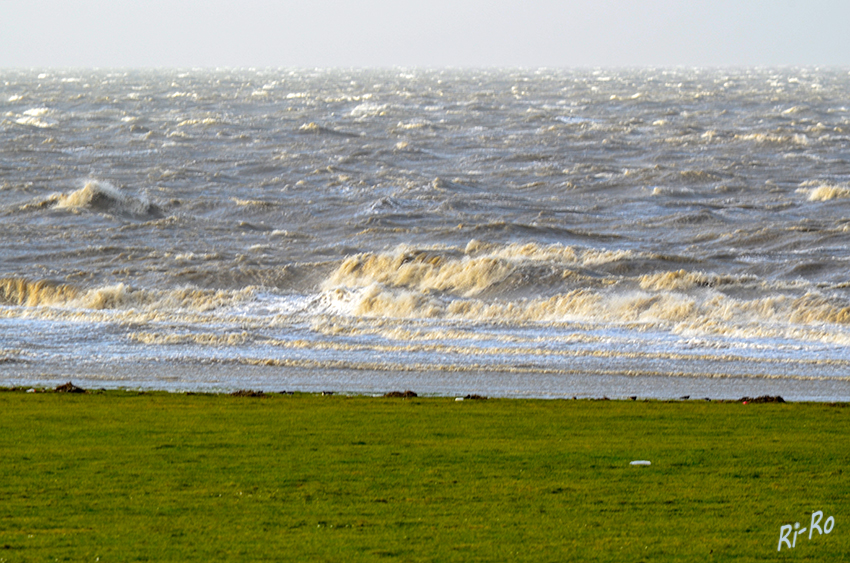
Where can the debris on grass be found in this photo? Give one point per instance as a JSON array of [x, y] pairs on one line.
[[401, 395], [247, 393], [762, 399], [69, 388]]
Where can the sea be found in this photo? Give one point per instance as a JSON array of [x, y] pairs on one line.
[[550, 233]]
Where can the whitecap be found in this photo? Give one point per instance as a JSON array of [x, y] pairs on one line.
[[103, 196], [826, 192]]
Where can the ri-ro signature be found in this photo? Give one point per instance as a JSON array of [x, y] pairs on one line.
[[791, 542]]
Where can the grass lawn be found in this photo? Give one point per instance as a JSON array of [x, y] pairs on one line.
[[123, 476]]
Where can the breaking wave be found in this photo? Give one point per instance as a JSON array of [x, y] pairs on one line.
[[505, 285], [808, 317], [21, 292], [479, 268], [827, 192], [104, 197], [24, 293], [36, 117]]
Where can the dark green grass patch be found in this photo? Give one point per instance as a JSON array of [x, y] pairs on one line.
[[121, 476]]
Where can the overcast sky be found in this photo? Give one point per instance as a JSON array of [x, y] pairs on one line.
[[423, 33]]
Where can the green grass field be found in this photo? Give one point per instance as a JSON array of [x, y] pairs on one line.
[[122, 476]]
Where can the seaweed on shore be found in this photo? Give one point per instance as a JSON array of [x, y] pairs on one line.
[[69, 388], [401, 395], [762, 399], [247, 393]]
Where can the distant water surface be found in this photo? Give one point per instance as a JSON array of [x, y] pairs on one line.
[[510, 233]]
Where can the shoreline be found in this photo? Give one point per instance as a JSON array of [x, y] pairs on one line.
[[226, 379], [71, 388]]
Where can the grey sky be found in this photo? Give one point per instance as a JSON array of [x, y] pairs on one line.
[[424, 33]]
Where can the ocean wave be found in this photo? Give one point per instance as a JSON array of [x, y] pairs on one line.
[[41, 123], [798, 139], [810, 317], [254, 203], [367, 109], [421, 270], [313, 128], [102, 197], [529, 283], [44, 293], [199, 121], [203, 339], [683, 280], [22, 292], [412, 125], [36, 117], [476, 269], [826, 192]]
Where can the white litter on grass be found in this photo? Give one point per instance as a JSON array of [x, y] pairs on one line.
[[640, 462], [459, 399]]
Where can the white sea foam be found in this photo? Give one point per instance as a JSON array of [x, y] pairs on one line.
[[37, 117], [826, 192], [369, 110]]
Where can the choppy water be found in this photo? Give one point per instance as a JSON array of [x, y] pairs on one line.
[[518, 233]]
